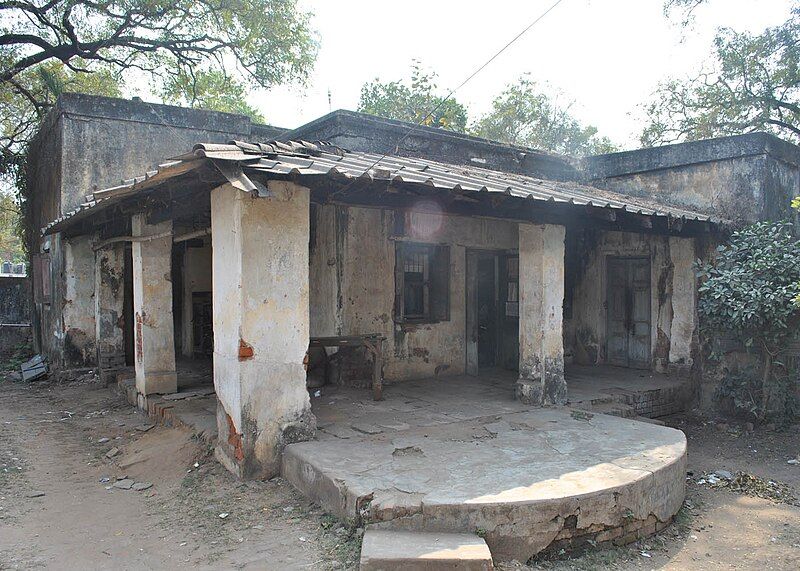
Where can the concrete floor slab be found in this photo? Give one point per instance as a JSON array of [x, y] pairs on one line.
[[478, 461]]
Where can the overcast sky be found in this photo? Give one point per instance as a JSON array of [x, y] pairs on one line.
[[606, 55]]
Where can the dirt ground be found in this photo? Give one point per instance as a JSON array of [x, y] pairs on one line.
[[195, 515], [59, 508]]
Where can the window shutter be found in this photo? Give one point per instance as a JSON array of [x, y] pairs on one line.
[[440, 284], [41, 277]]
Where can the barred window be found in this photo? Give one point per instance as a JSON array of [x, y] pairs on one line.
[[422, 282]]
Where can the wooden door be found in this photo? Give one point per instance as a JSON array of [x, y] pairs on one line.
[[628, 312]]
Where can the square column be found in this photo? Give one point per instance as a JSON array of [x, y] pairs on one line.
[[261, 325], [152, 308], [109, 307], [79, 340], [541, 301], [684, 304]]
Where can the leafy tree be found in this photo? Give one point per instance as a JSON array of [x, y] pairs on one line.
[[204, 53], [267, 42], [523, 114], [10, 242], [417, 102], [749, 291], [754, 85], [210, 89]]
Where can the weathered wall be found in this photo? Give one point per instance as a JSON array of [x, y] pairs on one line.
[[109, 307], [352, 283], [79, 335], [672, 297], [15, 300], [89, 142], [743, 178], [15, 315]]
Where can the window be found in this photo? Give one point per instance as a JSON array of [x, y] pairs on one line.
[[422, 283]]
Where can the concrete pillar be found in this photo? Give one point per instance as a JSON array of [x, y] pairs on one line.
[[109, 306], [684, 303], [78, 309], [261, 325], [541, 299], [154, 347]]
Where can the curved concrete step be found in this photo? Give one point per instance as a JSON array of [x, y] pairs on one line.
[[411, 551]]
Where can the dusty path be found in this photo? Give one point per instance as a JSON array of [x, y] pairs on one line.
[[49, 442]]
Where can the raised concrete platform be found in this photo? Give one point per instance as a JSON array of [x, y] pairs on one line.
[[409, 551], [461, 456]]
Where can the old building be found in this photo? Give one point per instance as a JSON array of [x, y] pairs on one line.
[[283, 264]]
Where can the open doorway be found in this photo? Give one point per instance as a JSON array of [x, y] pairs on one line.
[[492, 310]]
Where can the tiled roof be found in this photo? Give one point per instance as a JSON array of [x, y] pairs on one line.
[[303, 159]]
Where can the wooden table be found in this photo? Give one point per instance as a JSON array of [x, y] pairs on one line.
[[374, 344]]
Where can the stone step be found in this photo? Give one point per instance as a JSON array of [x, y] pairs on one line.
[[413, 551]]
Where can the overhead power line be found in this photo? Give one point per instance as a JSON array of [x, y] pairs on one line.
[[467, 80]]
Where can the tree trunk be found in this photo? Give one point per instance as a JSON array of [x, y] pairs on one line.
[[766, 384]]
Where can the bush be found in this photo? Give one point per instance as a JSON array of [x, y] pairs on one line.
[[750, 290]]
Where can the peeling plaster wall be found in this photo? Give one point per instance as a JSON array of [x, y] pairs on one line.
[[196, 278], [78, 307], [109, 308], [672, 297], [352, 283], [89, 142]]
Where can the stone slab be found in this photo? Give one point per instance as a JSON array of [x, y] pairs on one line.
[[409, 551]]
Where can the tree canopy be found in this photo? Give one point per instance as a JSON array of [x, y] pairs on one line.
[[753, 84], [524, 114], [200, 52], [416, 101]]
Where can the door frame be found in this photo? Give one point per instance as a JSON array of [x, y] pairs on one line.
[[471, 329], [606, 284]]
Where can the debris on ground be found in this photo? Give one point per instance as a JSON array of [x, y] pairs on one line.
[[113, 452], [125, 484], [34, 369], [750, 485], [35, 494]]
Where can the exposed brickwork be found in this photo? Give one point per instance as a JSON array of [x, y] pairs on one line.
[[598, 536]]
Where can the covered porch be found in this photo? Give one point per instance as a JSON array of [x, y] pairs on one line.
[[241, 254]]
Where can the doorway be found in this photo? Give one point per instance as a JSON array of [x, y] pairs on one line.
[[628, 314], [492, 310]]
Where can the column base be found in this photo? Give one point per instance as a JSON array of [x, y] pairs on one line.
[[552, 390], [253, 454], [163, 383]]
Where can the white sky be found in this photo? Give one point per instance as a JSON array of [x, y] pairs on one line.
[[606, 55]]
